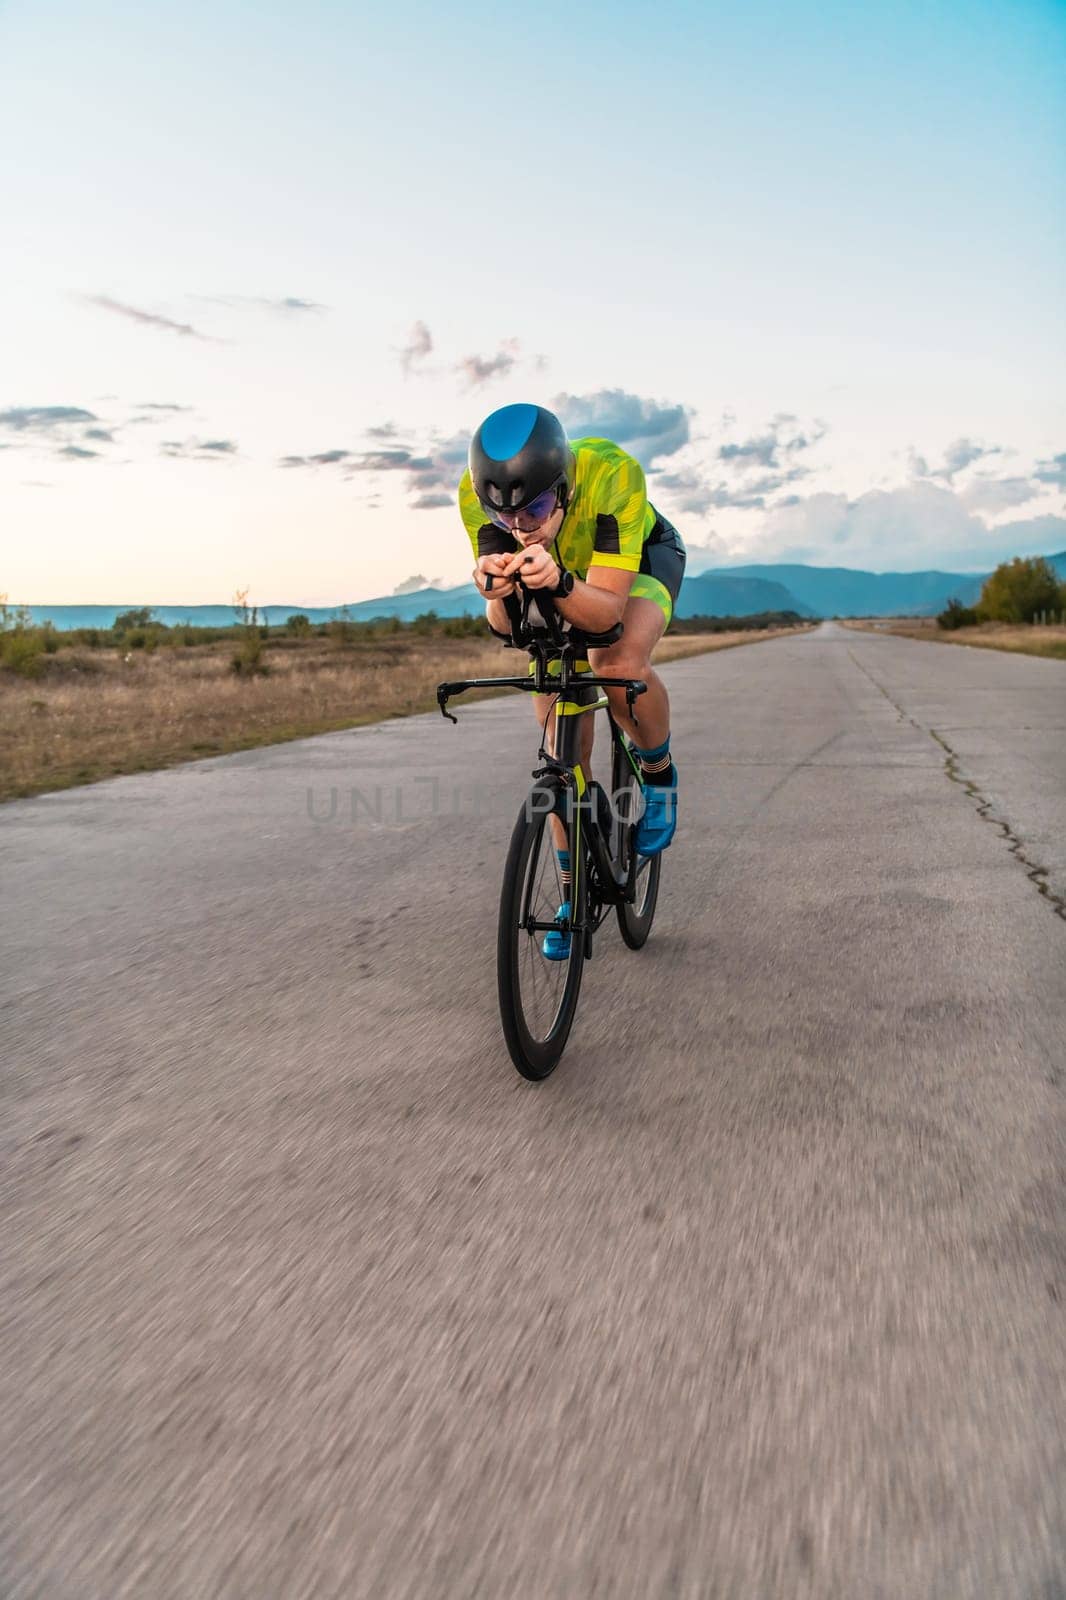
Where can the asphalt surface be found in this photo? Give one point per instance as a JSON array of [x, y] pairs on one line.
[[306, 1293]]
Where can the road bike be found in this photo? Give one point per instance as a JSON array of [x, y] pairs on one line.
[[538, 996]]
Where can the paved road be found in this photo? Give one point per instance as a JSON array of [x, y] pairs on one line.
[[307, 1294]]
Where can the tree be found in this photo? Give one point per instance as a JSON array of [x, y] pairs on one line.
[[138, 617], [247, 659], [298, 624], [956, 615], [14, 619], [1019, 590], [247, 614]]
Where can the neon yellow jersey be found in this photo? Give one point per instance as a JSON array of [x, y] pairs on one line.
[[607, 520]]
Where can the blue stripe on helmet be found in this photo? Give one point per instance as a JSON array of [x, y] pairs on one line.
[[507, 430]]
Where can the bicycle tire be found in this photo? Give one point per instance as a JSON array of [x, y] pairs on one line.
[[634, 918], [535, 1045]]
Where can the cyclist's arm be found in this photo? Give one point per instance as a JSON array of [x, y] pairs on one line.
[[596, 607], [497, 618], [598, 603]]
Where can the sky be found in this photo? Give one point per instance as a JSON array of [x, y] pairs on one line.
[[264, 269]]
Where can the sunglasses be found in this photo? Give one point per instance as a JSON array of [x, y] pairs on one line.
[[530, 516]]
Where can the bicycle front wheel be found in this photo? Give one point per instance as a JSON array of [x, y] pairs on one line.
[[538, 996]]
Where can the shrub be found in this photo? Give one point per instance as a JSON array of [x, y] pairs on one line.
[[298, 625], [21, 652], [956, 615], [137, 617], [247, 659], [341, 629], [14, 619], [464, 628], [1019, 590]]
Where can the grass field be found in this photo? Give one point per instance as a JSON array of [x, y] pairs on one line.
[[98, 713], [1029, 640]]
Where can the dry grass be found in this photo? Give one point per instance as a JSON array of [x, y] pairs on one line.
[[95, 715], [1030, 640]]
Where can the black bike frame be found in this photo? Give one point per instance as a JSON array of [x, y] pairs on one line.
[[554, 654]]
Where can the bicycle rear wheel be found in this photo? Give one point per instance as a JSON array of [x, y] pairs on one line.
[[538, 997], [627, 804]]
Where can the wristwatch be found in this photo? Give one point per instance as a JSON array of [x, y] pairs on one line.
[[565, 587]]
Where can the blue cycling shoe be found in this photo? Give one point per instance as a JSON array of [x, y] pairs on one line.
[[556, 946], [656, 827]]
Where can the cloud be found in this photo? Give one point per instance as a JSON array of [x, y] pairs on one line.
[[76, 453], [917, 526], [43, 419], [756, 468], [1053, 471], [991, 495], [478, 370], [691, 492], [648, 428], [288, 305], [962, 454], [782, 440], [325, 458], [195, 450], [100, 434], [959, 455], [148, 318], [390, 461], [160, 405], [419, 345], [413, 585], [430, 477]]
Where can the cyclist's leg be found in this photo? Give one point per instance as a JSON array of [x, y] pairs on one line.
[[556, 946], [646, 615], [542, 705], [644, 622]]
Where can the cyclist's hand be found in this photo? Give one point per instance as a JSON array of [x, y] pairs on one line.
[[493, 567], [535, 567]]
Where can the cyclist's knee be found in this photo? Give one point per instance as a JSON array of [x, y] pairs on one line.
[[620, 662]]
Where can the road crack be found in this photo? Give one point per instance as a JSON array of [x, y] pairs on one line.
[[1036, 874]]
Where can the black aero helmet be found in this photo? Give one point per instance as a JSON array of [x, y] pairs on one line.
[[518, 453]]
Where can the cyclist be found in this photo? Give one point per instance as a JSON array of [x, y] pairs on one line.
[[575, 520]]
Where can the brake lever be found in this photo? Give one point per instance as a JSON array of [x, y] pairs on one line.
[[442, 701]]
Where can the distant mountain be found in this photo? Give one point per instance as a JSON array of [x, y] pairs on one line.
[[701, 596], [844, 592], [710, 592], [199, 616], [461, 602], [446, 602]]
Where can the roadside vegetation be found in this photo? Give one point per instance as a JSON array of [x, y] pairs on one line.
[[1022, 607], [93, 703]]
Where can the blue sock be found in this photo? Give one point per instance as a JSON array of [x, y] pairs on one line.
[[564, 871], [656, 764]]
